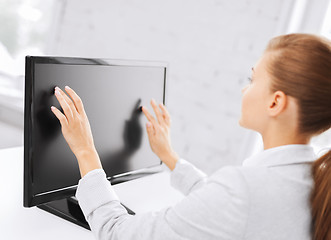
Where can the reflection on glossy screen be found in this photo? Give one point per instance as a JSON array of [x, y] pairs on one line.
[[112, 96]]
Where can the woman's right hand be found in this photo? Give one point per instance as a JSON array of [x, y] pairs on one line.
[[159, 134]]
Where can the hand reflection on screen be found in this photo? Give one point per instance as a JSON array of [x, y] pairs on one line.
[[133, 131], [46, 121], [119, 161]]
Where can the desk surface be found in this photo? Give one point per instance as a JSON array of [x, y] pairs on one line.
[[16, 222]]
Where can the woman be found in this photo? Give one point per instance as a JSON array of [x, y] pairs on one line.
[[284, 192]]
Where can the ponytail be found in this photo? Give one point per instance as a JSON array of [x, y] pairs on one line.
[[321, 197]]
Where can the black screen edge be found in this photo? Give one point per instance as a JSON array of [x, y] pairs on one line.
[[27, 193]]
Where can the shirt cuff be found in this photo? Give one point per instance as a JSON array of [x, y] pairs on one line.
[[94, 190], [185, 176]]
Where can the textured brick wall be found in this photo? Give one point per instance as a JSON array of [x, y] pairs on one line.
[[210, 45]]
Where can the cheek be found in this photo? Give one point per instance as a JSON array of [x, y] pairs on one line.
[[250, 106], [246, 102]]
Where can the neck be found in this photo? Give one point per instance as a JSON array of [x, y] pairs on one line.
[[273, 139]]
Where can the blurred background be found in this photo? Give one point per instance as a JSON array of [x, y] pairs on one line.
[[210, 46]]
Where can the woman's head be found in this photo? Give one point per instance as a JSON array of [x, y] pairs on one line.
[[291, 87], [300, 66], [291, 83], [265, 110]]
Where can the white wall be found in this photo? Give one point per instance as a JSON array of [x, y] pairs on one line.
[[210, 45]]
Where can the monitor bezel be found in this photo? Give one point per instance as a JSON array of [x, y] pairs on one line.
[[29, 199]]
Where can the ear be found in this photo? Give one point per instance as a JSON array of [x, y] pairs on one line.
[[277, 104]]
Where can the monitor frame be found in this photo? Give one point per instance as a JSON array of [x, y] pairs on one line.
[[29, 199]]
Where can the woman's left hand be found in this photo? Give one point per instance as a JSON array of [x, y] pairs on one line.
[[76, 129]]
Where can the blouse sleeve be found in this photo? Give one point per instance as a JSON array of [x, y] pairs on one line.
[[215, 211], [185, 177]]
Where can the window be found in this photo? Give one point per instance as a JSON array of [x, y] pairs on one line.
[[25, 31], [27, 28], [326, 27]]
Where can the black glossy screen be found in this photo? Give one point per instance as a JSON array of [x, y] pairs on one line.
[[112, 96]]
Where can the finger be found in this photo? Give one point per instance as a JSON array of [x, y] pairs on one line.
[[157, 112], [62, 118], [66, 108], [166, 114], [68, 100], [150, 129], [148, 115], [77, 100]]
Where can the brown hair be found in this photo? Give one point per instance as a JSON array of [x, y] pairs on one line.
[[300, 66]]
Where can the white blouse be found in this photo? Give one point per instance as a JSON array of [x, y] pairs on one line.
[[265, 198]]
